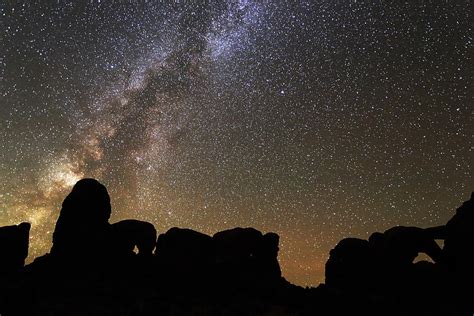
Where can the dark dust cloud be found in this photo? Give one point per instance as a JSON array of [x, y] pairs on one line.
[[317, 120]]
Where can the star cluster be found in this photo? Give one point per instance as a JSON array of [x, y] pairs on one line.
[[317, 120]]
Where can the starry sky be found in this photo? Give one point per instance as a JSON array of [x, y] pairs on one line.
[[317, 120]]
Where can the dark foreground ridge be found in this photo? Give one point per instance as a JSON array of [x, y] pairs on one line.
[[98, 268]]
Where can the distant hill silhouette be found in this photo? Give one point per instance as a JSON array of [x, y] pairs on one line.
[[98, 268]]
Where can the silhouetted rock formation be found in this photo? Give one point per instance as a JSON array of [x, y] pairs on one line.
[[83, 225], [395, 251], [246, 258], [401, 245], [93, 270], [351, 265], [184, 256], [130, 233], [459, 255], [232, 259], [386, 257], [383, 267], [13, 247], [459, 240]]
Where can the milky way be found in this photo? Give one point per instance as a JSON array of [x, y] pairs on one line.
[[315, 120]]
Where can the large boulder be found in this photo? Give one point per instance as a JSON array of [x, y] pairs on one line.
[[131, 233], [184, 255], [246, 257], [351, 265], [14, 242], [83, 228]]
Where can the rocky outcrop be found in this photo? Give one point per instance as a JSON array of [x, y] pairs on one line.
[[351, 265], [184, 256], [131, 233], [240, 257], [14, 242], [246, 257], [93, 269], [384, 266], [459, 240], [83, 228]]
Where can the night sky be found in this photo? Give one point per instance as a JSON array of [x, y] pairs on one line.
[[317, 120]]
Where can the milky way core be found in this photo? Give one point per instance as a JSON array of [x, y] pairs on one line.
[[317, 120]]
